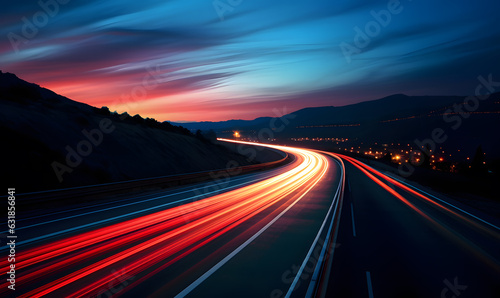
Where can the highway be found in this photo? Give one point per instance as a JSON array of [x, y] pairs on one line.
[[182, 242], [396, 240], [324, 225]]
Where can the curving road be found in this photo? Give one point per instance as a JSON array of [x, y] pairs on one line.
[[324, 225], [192, 241], [397, 240]]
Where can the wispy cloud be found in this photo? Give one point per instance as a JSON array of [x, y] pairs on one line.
[[263, 54]]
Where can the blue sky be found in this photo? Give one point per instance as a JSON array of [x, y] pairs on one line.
[[229, 59]]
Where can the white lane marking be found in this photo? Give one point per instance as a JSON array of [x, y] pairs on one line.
[[301, 269], [353, 226], [443, 201], [106, 220], [212, 270], [314, 279], [369, 283]]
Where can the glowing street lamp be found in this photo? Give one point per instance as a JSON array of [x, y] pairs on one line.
[[236, 134]]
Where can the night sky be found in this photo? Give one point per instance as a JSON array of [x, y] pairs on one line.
[[193, 60]]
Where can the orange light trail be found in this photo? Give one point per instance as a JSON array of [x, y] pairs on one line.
[[386, 187], [139, 244], [476, 250], [423, 197]]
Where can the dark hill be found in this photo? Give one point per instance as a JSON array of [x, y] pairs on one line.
[[404, 119], [234, 124], [50, 141], [398, 105], [394, 119]]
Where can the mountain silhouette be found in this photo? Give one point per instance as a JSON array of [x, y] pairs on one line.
[[393, 119]]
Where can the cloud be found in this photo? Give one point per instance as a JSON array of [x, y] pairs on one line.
[[263, 54]]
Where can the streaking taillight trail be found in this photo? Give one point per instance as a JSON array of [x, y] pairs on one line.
[[82, 263], [147, 244], [393, 186]]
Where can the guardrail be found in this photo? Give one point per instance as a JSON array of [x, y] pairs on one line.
[[321, 276], [91, 193]]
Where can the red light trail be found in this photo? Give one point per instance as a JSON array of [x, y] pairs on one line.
[[83, 264], [139, 244]]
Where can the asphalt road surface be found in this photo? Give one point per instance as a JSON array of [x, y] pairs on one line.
[[398, 241], [321, 226], [236, 237]]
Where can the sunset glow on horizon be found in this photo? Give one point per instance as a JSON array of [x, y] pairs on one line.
[[203, 61]]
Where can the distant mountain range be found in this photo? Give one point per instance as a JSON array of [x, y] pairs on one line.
[[398, 105], [394, 119], [207, 125], [49, 138]]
